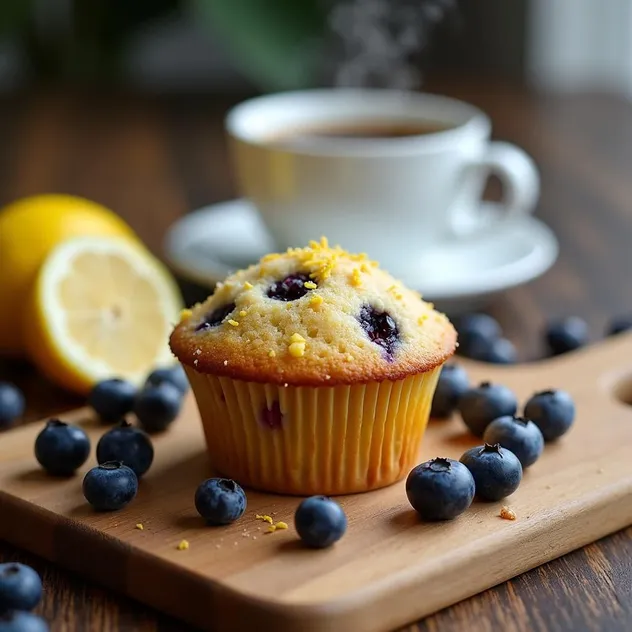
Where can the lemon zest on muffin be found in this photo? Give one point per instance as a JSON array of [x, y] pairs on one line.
[[271, 353], [297, 349], [185, 314], [243, 312], [248, 285], [365, 268], [316, 300], [232, 322], [296, 338], [356, 279], [422, 319]]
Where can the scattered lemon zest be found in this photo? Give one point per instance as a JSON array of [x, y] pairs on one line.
[[183, 545], [281, 525], [185, 314], [422, 319], [264, 517], [272, 353], [295, 337], [271, 529], [232, 322], [248, 285], [349, 357], [140, 526], [365, 268], [243, 312], [310, 285]]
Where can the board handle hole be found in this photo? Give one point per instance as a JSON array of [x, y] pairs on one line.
[[623, 390]]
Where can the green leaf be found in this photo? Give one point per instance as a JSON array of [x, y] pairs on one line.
[[272, 42]]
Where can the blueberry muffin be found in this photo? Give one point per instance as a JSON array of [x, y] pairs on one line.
[[313, 371]]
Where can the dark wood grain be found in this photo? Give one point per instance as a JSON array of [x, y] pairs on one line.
[[154, 159]]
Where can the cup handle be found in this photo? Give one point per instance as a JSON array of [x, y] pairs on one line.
[[518, 175]]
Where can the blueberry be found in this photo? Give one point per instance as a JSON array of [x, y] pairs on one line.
[[497, 471], [129, 445], [112, 399], [11, 404], [498, 351], [453, 382], [380, 328], [173, 375], [215, 318], [61, 448], [567, 335], [440, 489], [619, 325], [157, 406], [481, 405], [20, 587], [220, 501], [552, 411], [18, 621], [289, 289], [517, 434], [110, 486], [476, 331], [320, 521]]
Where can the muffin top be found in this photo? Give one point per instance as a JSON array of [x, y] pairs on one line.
[[313, 316]]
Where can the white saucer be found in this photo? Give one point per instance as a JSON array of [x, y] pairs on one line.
[[208, 244]]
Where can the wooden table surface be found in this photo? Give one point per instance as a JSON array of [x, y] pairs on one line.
[[153, 159]]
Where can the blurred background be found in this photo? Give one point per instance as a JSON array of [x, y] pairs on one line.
[[263, 45]]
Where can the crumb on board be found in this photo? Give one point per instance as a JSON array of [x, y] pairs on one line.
[[183, 545], [600, 470], [139, 526], [507, 514], [549, 486]]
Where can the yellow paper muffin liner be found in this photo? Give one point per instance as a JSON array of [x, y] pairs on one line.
[[328, 440]]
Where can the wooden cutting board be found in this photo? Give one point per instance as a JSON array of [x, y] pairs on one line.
[[389, 569]]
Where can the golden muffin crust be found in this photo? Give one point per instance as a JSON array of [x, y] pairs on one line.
[[351, 322]]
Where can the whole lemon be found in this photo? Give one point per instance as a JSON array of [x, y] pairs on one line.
[[29, 229]]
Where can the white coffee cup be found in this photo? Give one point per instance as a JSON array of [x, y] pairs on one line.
[[391, 197]]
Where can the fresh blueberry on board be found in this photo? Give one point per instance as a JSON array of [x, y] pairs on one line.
[[110, 486], [517, 434], [20, 621], [453, 382], [552, 411], [158, 406], [479, 406], [11, 404], [20, 587], [567, 335], [220, 501], [497, 471], [497, 351], [61, 448], [112, 399], [127, 444], [619, 325], [476, 331], [440, 489], [320, 522], [173, 375]]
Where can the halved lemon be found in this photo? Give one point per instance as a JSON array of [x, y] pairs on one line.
[[101, 307]]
